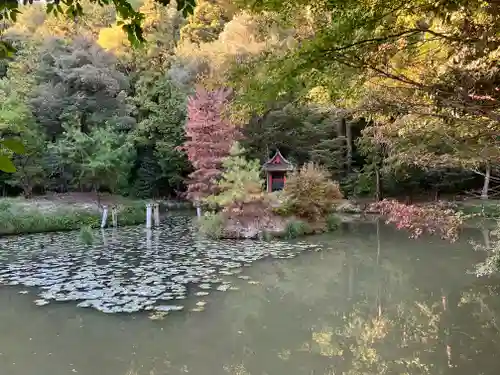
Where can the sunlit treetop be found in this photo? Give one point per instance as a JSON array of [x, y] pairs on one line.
[[130, 19], [355, 41]]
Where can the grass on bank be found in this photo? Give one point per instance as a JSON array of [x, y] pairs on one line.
[[18, 216], [484, 208]]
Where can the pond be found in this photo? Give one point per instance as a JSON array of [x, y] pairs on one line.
[[364, 300]]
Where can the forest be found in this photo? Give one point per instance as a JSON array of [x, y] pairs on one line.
[[393, 98]]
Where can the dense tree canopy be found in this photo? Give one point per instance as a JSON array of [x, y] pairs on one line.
[[391, 97]]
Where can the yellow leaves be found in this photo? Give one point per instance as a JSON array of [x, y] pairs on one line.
[[310, 194], [324, 341], [319, 95], [113, 39]]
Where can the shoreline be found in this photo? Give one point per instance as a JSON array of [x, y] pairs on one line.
[[69, 212], [64, 213]]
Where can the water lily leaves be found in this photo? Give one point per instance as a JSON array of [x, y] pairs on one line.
[[102, 277]]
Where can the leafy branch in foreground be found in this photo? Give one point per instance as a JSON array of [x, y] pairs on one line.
[[429, 219], [130, 19], [7, 147]]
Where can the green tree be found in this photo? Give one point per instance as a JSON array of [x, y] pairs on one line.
[[240, 181], [101, 158], [160, 131], [15, 119], [130, 21], [79, 79]]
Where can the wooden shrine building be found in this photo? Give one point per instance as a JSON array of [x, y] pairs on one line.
[[276, 169]]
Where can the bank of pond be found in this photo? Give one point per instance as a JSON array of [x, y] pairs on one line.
[[23, 216]]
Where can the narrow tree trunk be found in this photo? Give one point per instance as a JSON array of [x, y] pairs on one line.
[[379, 299], [348, 136], [341, 133], [486, 185], [378, 194]]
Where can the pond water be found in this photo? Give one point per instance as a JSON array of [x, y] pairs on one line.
[[365, 300]]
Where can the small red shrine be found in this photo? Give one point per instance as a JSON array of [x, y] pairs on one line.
[[276, 169]]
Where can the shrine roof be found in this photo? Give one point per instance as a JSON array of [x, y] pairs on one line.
[[277, 163]]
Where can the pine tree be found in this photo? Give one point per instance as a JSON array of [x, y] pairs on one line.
[[210, 137], [240, 182]]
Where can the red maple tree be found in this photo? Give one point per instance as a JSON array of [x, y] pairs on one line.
[[209, 139]]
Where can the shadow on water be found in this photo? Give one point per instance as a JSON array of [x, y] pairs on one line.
[[366, 300]]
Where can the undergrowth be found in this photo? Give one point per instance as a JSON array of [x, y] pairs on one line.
[[211, 225], [297, 228]]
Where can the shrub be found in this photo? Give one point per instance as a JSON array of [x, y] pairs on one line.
[[310, 194], [211, 225], [332, 222], [297, 228]]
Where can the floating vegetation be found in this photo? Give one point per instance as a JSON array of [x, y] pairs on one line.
[[158, 315], [132, 269], [86, 235]]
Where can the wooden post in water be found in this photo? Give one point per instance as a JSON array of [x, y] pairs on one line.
[[114, 216], [149, 210], [104, 216], [157, 214], [156, 239], [198, 209], [149, 232], [104, 239]]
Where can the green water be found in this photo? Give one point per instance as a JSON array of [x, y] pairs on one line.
[[366, 301]]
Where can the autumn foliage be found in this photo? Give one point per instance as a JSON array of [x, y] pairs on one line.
[[310, 193], [430, 219], [209, 140]]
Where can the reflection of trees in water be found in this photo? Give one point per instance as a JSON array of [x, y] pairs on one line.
[[365, 307], [401, 340]]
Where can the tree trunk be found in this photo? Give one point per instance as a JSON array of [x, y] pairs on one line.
[[348, 136], [27, 189], [486, 185], [341, 133], [378, 194], [98, 196]]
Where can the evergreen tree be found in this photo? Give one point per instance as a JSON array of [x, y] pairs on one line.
[[79, 79], [162, 116], [240, 181]]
